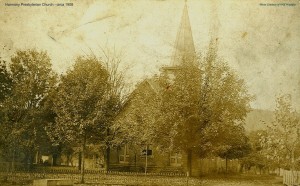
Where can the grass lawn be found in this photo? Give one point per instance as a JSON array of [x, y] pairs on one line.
[[229, 180], [240, 180]]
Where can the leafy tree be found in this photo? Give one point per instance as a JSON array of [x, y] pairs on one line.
[[201, 103], [281, 145], [234, 145], [189, 107], [83, 105], [5, 91], [6, 81], [32, 78], [256, 156], [116, 97], [47, 116]]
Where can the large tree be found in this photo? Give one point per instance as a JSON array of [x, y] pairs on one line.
[[282, 142], [256, 156], [188, 108], [234, 144], [201, 102], [85, 104], [6, 81], [32, 79], [5, 91], [116, 97]]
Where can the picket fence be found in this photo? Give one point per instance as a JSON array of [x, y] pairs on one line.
[[290, 178], [21, 178]]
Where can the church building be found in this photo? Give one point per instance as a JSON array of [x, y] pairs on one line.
[[148, 159]]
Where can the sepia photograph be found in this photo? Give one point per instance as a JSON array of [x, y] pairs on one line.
[[149, 92]]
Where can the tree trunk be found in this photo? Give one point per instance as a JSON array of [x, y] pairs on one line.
[[54, 159], [189, 162], [146, 163], [135, 162], [260, 170], [82, 159], [79, 161], [295, 175], [107, 162], [37, 157], [69, 160], [13, 162], [226, 165], [30, 159]]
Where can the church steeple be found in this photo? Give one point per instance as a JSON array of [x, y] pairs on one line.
[[184, 49]]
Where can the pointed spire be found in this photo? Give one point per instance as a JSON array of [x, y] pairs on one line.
[[184, 49]]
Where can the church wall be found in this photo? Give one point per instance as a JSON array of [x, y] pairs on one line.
[[213, 165], [160, 163], [184, 51], [157, 162], [114, 158]]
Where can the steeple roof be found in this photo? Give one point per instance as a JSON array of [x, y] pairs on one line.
[[184, 48]]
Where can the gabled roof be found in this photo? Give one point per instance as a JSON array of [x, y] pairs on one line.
[[154, 85]]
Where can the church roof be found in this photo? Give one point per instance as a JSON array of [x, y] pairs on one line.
[[184, 51]]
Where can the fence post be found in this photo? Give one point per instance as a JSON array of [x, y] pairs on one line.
[[187, 178]]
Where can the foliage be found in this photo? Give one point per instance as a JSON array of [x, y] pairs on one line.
[[203, 102], [281, 145], [86, 102], [235, 143], [5, 91], [6, 81], [256, 156], [78, 102], [188, 108], [31, 80]]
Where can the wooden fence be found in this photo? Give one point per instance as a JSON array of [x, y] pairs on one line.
[[21, 178], [73, 170], [22, 168], [290, 178]]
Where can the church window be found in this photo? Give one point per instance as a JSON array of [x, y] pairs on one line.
[[124, 154], [175, 159]]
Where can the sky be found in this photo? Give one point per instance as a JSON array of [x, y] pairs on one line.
[[260, 39]]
